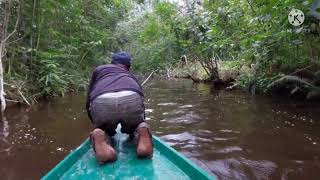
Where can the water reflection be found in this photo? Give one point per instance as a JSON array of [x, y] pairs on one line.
[[5, 145], [231, 134], [41, 136], [238, 136]]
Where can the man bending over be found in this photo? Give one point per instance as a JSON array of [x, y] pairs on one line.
[[115, 96]]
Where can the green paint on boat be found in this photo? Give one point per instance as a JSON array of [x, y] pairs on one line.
[[166, 163]]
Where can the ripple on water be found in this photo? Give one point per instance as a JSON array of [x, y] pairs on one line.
[[175, 112], [229, 131], [224, 139], [203, 132], [205, 140], [182, 138], [229, 149], [148, 110], [242, 168], [167, 104], [187, 118], [186, 106]]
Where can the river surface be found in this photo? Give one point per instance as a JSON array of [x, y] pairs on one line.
[[231, 134]]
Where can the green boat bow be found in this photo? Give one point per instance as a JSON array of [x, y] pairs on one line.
[[166, 163]]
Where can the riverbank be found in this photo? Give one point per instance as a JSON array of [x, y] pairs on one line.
[[299, 82]]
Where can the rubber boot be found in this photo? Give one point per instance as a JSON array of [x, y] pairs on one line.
[[144, 143], [103, 150]]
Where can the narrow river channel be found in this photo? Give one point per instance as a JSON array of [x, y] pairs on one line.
[[231, 134]]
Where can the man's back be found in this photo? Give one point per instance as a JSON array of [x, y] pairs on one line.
[[111, 78]]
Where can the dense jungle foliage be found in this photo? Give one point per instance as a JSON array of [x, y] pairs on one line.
[[55, 44]]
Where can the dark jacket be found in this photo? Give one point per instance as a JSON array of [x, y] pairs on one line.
[[111, 78]]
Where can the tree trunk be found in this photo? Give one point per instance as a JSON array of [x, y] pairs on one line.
[[2, 99], [4, 37]]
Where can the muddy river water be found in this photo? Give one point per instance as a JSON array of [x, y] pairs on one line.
[[231, 134]]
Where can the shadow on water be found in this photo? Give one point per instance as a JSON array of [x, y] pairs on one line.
[[232, 134]]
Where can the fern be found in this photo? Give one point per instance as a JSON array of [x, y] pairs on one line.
[[291, 80], [312, 90]]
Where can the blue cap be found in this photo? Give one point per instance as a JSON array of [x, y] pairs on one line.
[[121, 58]]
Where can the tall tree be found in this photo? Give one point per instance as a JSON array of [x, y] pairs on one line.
[[5, 35]]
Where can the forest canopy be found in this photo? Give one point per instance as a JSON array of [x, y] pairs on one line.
[[49, 47]]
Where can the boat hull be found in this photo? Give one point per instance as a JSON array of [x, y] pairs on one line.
[[166, 163]]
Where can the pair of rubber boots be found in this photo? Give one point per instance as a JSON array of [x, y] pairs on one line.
[[106, 153]]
